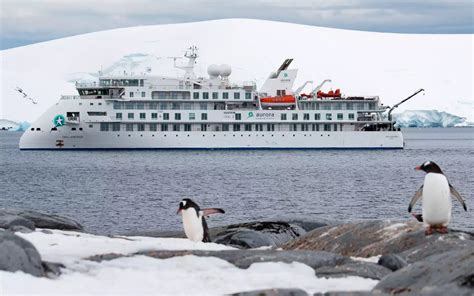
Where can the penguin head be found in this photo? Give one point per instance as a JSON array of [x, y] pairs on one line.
[[429, 167], [187, 203]]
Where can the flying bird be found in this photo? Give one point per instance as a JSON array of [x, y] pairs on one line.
[[25, 95]]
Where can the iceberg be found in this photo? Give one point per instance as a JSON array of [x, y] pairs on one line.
[[428, 118], [9, 125]]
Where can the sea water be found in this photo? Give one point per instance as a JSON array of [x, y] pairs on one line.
[[123, 191]]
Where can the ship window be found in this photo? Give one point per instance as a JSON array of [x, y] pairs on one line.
[[360, 106], [104, 127], [327, 127], [259, 127], [225, 95], [248, 95], [187, 127], [293, 127], [129, 127], [142, 115], [203, 127], [215, 95], [340, 116], [236, 96], [351, 116], [248, 127], [325, 106], [96, 113], [294, 116], [118, 115], [337, 106], [203, 106], [371, 106], [176, 106], [166, 116], [141, 127], [196, 96], [153, 105], [164, 127], [38, 129], [203, 116], [143, 94], [80, 128], [32, 129], [349, 106], [55, 128], [177, 116], [129, 105], [283, 116], [131, 94], [154, 115], [131, 115], [117, 105], [317, 116], [236, 127], [187, 106], [270, 127], [141, 82], [304, 127], [153, 127], [116, 127], [192, 116], [306, 116], [335, 127], [91, 126], [140, 106], [205, 95], [92, 104], [328, 116], [225, 127], [163, 106]]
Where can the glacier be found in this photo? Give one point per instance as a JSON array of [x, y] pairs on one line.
[[428, 118], [9, 125]]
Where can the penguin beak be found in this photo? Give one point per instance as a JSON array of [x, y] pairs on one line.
[[178, 211], [418, 168]]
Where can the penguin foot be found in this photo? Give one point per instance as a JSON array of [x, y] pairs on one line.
[[429, 231], [443, 230]]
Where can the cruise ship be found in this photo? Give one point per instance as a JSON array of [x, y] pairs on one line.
[[157, 112]]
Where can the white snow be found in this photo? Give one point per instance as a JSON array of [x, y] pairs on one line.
[[373, 259], [359, 63], [137, 275]]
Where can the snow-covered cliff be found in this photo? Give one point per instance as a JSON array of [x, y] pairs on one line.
[[428, 118]]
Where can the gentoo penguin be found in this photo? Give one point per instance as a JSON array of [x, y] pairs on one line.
[[194, 220], [436, 204]]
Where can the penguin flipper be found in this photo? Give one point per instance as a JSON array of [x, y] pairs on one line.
[[210, 211], [415, 198], [206, 238], [456, 194]]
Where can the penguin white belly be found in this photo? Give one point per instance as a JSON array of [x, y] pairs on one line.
[[436, 204], [192, 225]]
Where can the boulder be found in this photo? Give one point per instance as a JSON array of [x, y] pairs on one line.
[[8, 220], [32, 219], [392, 262], [371, 238], [18, 254], [434, 273], [356, 268]]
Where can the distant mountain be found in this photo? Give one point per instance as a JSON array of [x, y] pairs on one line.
[[428, 118], [10, 125]]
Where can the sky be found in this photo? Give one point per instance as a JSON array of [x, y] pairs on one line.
[[25, 22]]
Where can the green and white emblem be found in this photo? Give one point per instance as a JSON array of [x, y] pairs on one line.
[[59, 120]]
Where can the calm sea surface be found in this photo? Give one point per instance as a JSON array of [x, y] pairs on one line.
[[122, 191]]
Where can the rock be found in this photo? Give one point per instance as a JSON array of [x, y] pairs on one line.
[[8, 220], [347, 293], [433, 273], [18, 254], [52, 269], [370, 238], [19, 228], [50, 221], [392, 262], [273, 292], [356, 268]]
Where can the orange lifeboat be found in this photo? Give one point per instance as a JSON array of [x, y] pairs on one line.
[[281, 101], [330, 94]]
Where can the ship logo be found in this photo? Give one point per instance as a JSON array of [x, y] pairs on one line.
[[250, 115], [59, 120]]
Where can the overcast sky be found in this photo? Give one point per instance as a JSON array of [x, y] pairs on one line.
[[29, 21]]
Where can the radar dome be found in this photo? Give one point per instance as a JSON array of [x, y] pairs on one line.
[[226, 70], [213, 70]]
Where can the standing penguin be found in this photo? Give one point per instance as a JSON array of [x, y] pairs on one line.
[[436, 204], [194, 222]]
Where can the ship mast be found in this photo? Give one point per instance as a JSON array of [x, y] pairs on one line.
[[191, 54]]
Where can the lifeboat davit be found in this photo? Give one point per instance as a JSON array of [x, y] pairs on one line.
[[330, 94], [280, 101]]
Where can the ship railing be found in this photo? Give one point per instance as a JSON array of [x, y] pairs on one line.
[[70, 97]]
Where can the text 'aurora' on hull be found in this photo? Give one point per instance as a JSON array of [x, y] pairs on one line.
[[152, 112]]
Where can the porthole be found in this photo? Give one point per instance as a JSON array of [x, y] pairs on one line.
[[176, 135], [129, 135], [152, 135], [118, 135], [141, 135], [80, 128], [32, 129], [293, 135]]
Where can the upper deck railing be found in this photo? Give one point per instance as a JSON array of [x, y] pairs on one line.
[[70, 97]]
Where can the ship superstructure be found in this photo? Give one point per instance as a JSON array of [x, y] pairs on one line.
[[150, 112]]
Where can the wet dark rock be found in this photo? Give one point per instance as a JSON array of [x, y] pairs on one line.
[[392, 262], [454, 268], [32, 219], [370, 238], [361, 269], [18, 254], [52, 269], [273, 292]]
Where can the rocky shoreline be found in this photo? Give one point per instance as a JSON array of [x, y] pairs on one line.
[[396, 253]]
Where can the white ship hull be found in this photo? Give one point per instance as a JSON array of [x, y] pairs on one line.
[[212, 140]]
